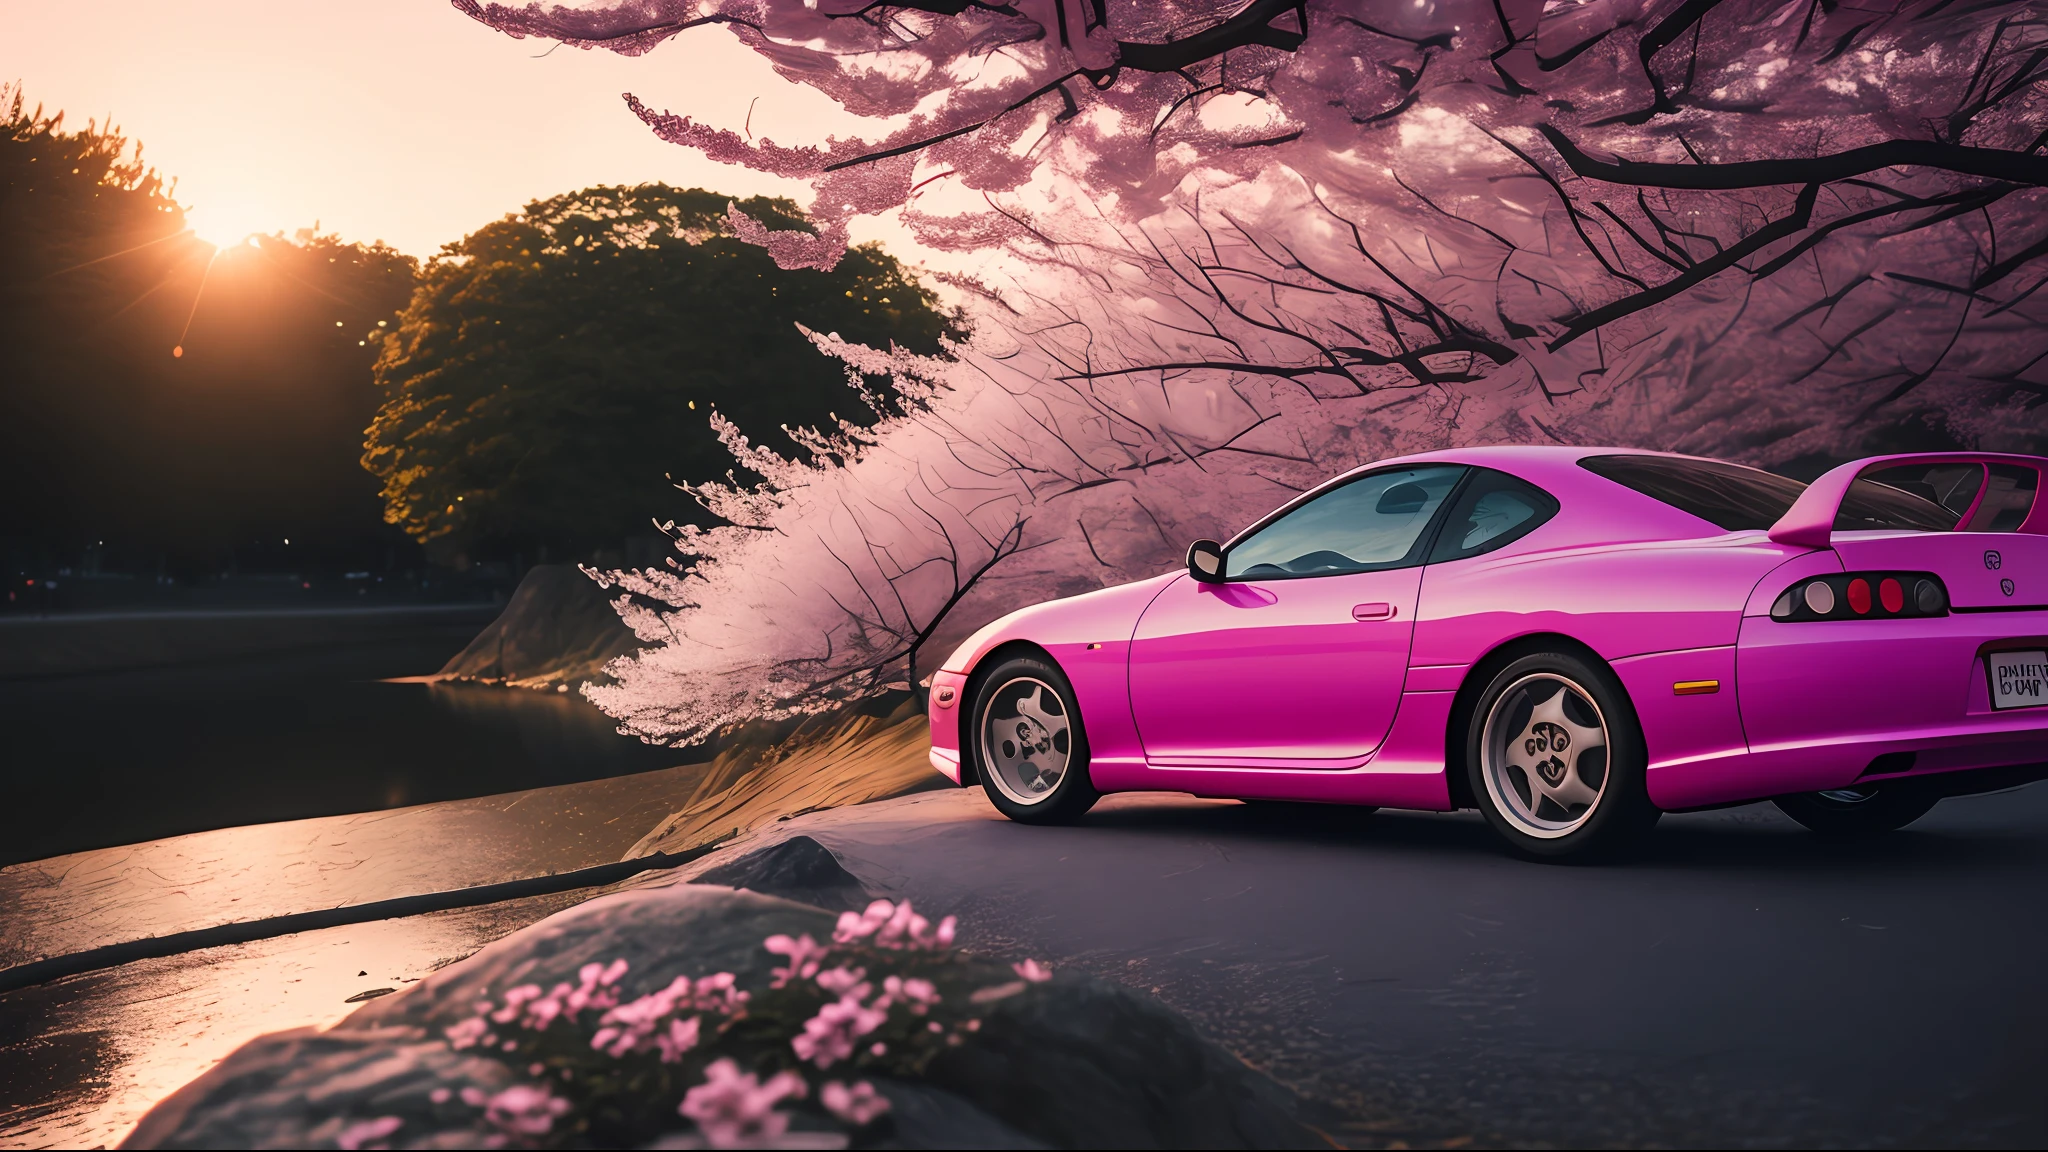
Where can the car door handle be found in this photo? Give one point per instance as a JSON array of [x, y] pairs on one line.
[[1372, 612]]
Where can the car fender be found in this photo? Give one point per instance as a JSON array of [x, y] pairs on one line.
[[1098, 617], [1087, 636]]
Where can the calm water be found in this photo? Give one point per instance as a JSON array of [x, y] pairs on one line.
[[114, 756]]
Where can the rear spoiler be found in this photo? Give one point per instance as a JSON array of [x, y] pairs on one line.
[[1810, 522]]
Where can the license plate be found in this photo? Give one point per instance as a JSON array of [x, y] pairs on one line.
[[2018, 679]]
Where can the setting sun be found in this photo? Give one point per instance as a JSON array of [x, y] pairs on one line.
[[226, 223]]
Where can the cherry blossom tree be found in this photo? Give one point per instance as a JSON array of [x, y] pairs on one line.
[[1245, 244]]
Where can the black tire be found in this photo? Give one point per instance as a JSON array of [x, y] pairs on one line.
[[1016, 740], [1871, 810], [1553, 820]]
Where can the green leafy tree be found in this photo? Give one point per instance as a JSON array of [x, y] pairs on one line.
[[558, 367]]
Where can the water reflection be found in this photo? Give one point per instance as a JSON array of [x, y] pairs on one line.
[[115, 757]]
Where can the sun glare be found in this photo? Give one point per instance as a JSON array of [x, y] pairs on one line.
[[223, 226]]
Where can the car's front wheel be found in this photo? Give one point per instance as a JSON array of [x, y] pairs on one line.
[[1556, 759], [1029, 749], [1865, 811]]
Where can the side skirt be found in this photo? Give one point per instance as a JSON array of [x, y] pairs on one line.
[[1406, 771]]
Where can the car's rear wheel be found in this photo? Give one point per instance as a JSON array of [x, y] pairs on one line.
[[1866, 811], [1029, 749], [1555, 759]]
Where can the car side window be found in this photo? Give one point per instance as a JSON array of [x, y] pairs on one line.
[[1493, 511], [1374, 522]]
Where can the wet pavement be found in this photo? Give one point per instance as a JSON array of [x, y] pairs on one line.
[[82, 1058], [112, 895]]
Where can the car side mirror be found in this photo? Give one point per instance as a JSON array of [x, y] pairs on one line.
[[1205, 561]]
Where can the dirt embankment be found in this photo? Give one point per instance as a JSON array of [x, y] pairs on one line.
[[558, 629]]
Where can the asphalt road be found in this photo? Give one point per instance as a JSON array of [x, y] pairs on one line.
[[1742, 983]]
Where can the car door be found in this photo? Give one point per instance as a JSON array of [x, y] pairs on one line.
[[1296, 658]]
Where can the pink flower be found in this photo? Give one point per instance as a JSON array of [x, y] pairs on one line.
[[680, 1038], [637, 1025], [718, 992], [469, 1033], [524, 1109], [1033, 971], [828, 1037], [804, 953], [543, 1010], [440, 1095], [594, 986], [854, 926], [362, 1132], [842, 980], [887, 925], [856, 1105], [735, 1110], [918, 993], [515, 1002], [630, 1027]]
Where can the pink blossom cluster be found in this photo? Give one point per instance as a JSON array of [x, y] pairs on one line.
[[521, 1110], [527, 1006], [856, 1103], [804, 953], [657, 1021], [735, 1110], [731, 1107], [834, 1033], [888, 925], [918, 993]]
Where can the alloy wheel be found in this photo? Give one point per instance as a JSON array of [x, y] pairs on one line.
[[1544, 755], [1026, 739]]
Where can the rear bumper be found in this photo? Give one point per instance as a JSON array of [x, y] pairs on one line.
[[1954, 759]]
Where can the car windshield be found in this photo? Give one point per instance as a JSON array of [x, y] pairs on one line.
[[1373, 522], [1738, 499]]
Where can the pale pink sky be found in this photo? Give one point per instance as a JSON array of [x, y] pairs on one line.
[[399, 120]]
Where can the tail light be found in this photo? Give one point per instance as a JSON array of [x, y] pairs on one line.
[[1863, 596]]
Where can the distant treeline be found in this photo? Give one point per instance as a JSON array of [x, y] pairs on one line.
[[174, 411]]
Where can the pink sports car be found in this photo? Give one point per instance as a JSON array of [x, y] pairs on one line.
[[1571, 640]]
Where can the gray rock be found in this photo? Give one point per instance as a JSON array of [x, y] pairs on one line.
[[1081, 1063], [928, 1117], [303, 1088], [799, 869], [1070, 1063], [661, 932]]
